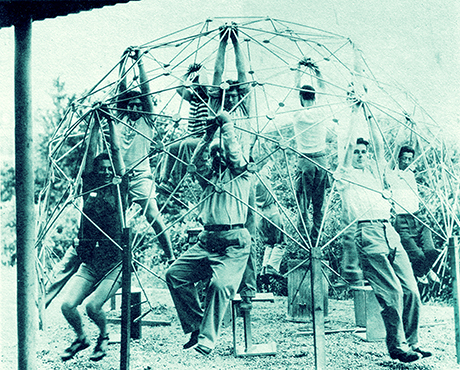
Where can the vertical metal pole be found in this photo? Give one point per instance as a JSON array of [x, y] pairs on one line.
[[317, 297], [25, 220], [125, 301], [454, 261]]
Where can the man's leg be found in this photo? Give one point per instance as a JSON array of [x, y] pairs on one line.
[[248, 285], [405, 227], [168, 162], [426, 241], [320, 182], [375, 258], [105, 290], [228, 271], [266, 257], [351, 271], [154, 217], [189, 268], [142, 191], [302, 186], [275, 237], [179, 169], [78, 288], [411, 297]]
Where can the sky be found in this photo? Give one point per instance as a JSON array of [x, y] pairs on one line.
[[414, 44]]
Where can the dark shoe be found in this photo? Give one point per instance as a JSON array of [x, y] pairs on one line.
[[193, 340], [164, 188], [270, 270], [203, 349], [405, 356], [422, 352], [100, 350], [77, 346], [246, 304], [356, 283]]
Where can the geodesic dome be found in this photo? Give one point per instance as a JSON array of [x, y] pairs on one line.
[[333, 65]]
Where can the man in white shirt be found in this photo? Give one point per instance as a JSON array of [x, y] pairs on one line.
[[383, 259], [410, 223], [310, 135], [136, 131]]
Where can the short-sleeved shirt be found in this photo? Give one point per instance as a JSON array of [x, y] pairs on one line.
[[135, 145], [404, 190], [310, 130]]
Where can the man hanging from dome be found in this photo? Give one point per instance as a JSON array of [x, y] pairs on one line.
[[136, 130], [98, 247]]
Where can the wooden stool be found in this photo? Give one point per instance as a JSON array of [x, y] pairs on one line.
[[250, 349], [367, 314], [136, 315]]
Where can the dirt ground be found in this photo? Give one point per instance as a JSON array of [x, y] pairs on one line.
[[160, 347]]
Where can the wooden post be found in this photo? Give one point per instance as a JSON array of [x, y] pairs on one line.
[[318, 308], [136, 312], [25, 211], [125, 301], [454, 258]]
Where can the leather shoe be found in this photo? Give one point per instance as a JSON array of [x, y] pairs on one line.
[[424, 353], [405, 356], [78, 345], [193, 340], [246, 304], [100, 350], [270, 270]]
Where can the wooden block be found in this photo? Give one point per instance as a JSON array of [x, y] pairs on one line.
[[368, 314], [260, 297], [264, 349], [299, 293]]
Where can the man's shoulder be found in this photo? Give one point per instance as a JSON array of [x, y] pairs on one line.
[[308, 114]]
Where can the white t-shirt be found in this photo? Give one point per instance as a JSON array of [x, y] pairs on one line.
[[310, 130], [404, 190], [135, 139], [362, 194]]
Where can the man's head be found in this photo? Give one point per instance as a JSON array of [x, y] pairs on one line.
[[405, 157], [232, 95], [103, 168], [359, 158], [132, 105], [307, 95]]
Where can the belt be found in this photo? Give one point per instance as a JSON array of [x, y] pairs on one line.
[[135, 173], [376, 221], [408, 214], [322, 153], [223, 227]]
